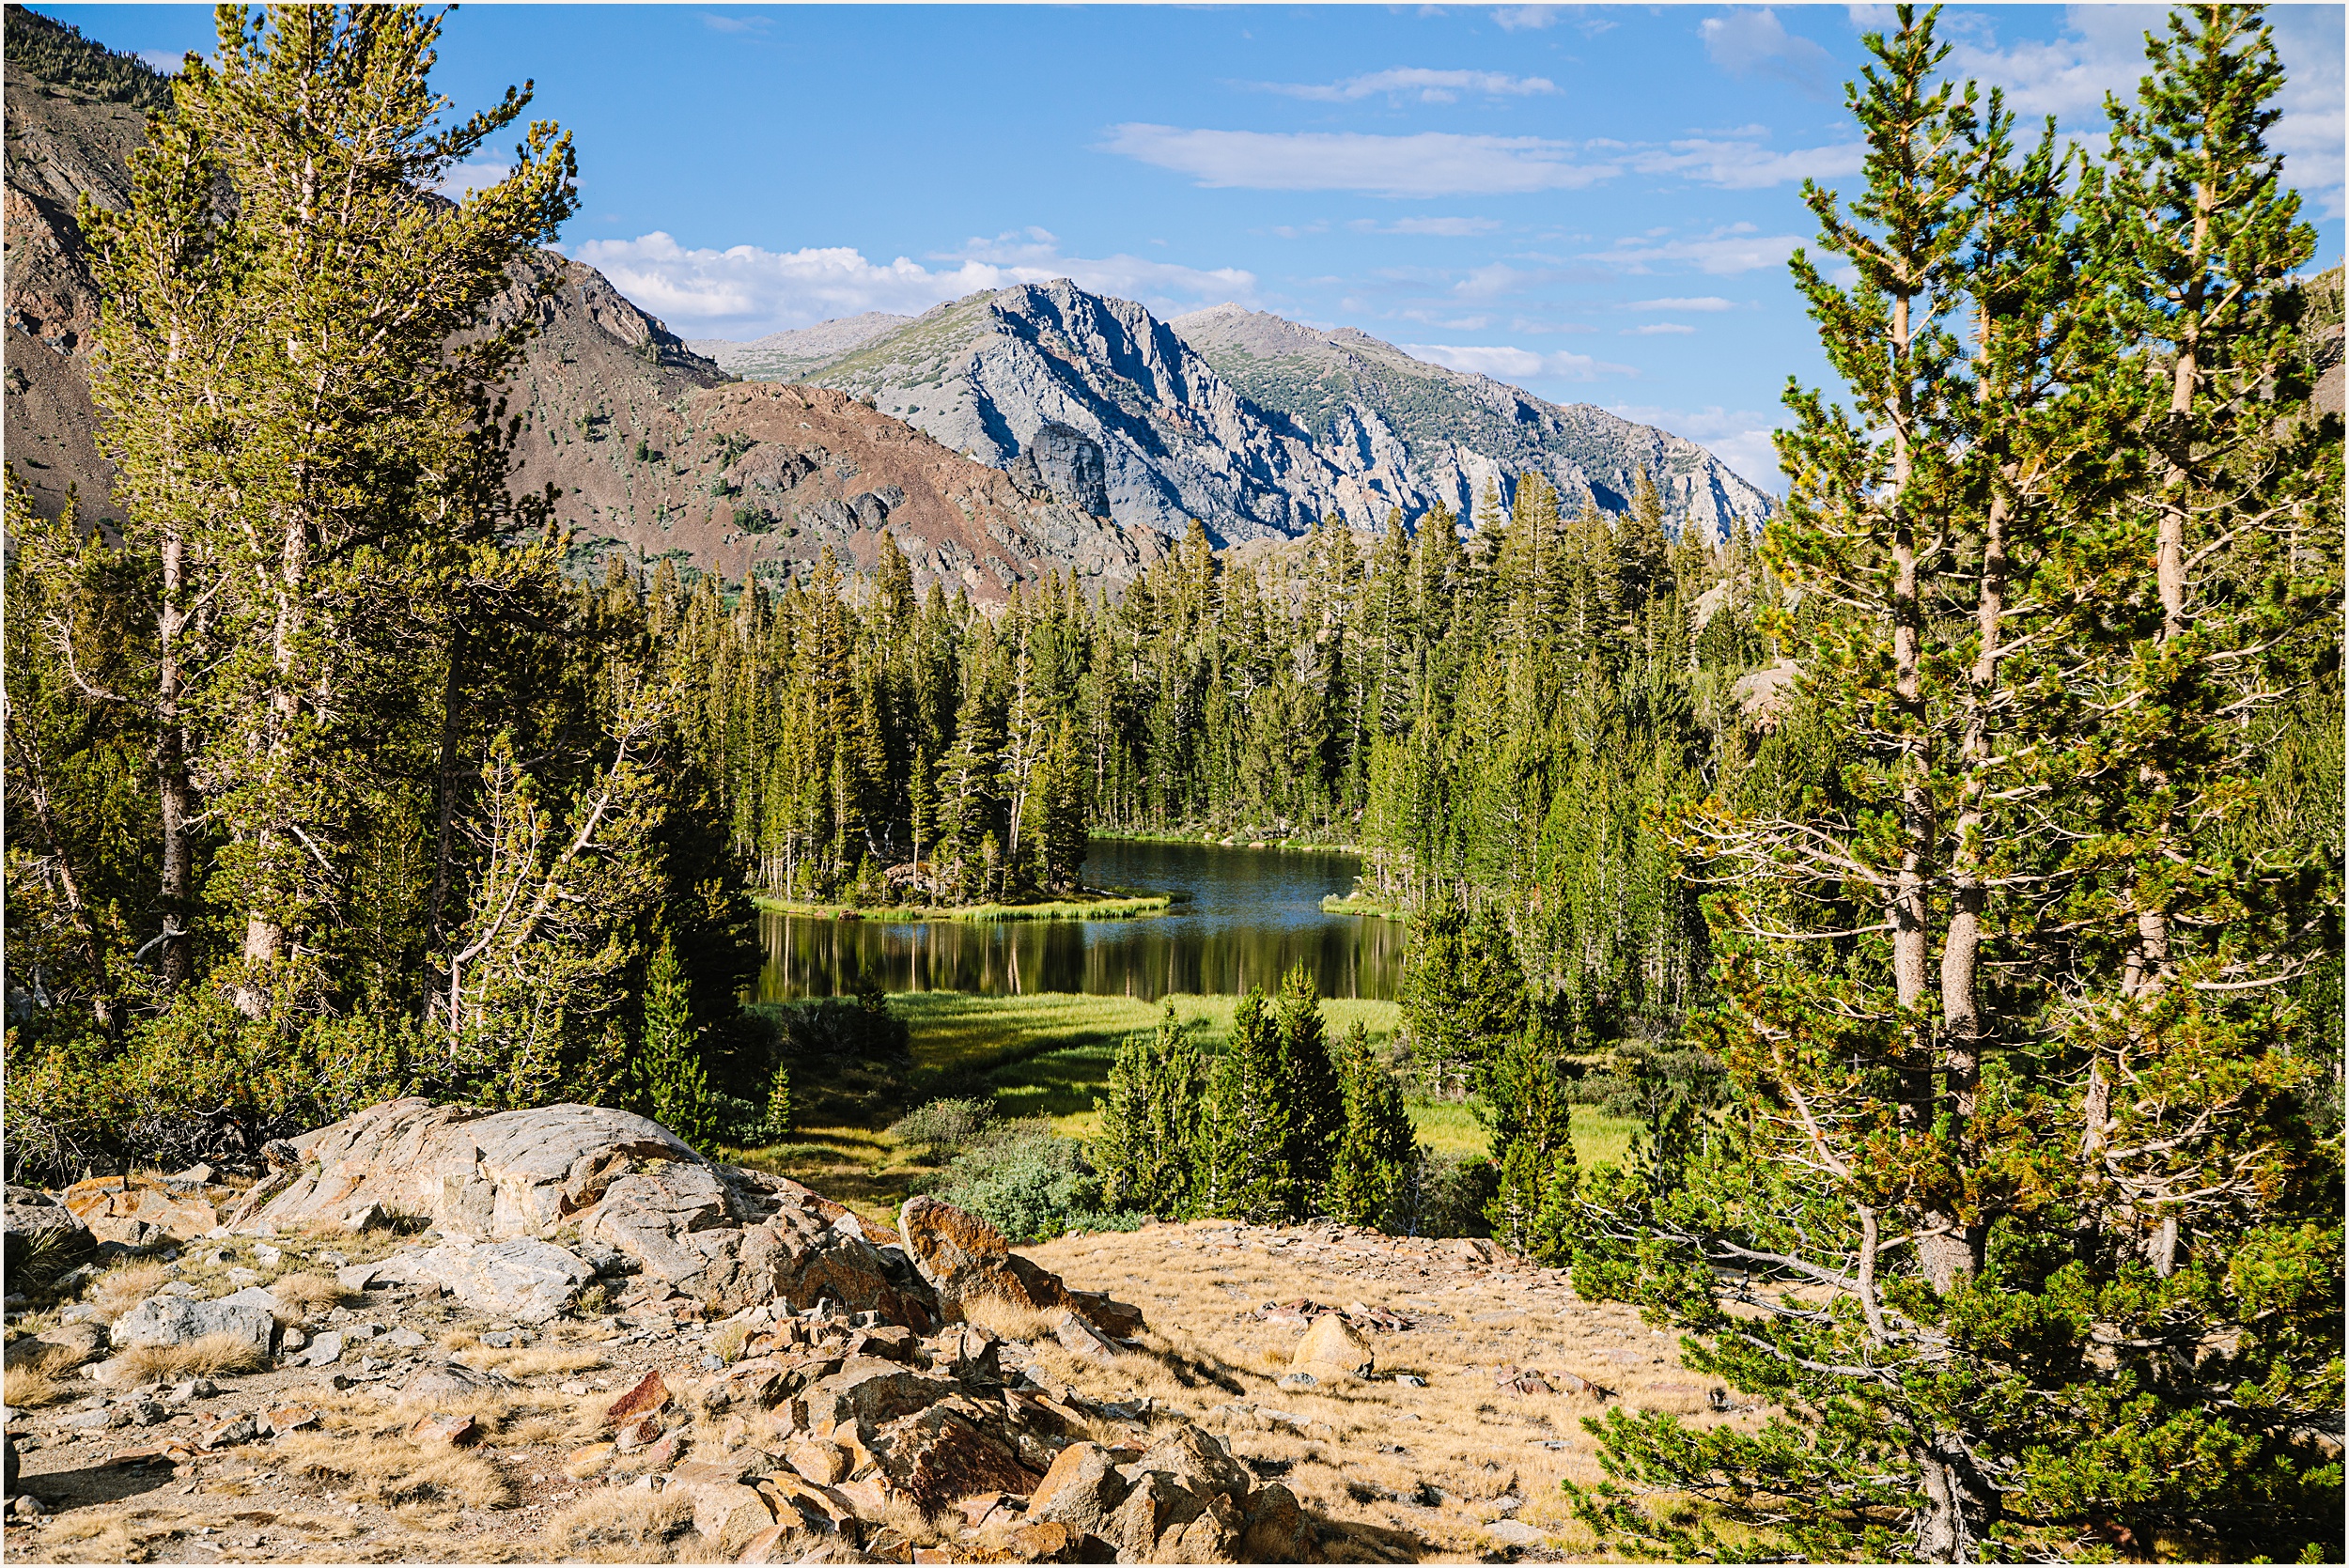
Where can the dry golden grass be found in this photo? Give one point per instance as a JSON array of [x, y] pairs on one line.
[[389, 1471], [530, 1363], [119, 1289], [1487, 1452], [621, 1525], [303, 1295], [459, 1339], [726, 1343], [1010, 1321], [29, 1385], [214, 1356]]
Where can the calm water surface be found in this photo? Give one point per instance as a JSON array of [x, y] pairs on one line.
[[1250, 915]]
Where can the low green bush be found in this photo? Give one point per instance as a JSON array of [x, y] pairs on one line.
[[1030, 1185]]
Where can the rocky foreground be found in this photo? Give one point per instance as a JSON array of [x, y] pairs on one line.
[[438, 1334]]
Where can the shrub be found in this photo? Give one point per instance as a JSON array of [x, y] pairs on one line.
[[945, 1127], [1030, 1184]]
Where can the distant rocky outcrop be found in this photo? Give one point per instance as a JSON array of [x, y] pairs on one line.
[[785, 356], [1253, 424]]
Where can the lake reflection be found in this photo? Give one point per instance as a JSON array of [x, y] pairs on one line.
[[1251, 914]]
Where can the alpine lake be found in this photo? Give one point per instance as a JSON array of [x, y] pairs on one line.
[[1241, 917]]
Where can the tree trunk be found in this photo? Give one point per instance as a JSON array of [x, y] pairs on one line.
[[176, 963], [1960, 1504]]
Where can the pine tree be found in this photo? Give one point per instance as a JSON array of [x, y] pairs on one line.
[[1525, 1107], [2034, 1240], [1377, 1150], [670, 1082], [1150, 1150], [1315, 1094], [352, 452], [1247, 1174]]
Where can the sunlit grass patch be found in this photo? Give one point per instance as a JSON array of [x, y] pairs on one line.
[[1451, 1128]]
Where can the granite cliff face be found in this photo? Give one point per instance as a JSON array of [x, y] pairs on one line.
[[1251, 424], [1393, 424], [652, 453]]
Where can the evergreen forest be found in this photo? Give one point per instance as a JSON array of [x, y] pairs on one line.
[[1948, 878]]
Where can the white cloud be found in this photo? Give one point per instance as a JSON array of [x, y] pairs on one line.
[[1700, 303], [1444, 227], [167, 61], [464, 180], [1723, 253], [1428, 87], [1744, 166], [2101, 50], [1738, 437], [1659, 329], [745, 290], [1525, 19], [1431, 163], [1498, 278], [1756, 44], [1507, 364]]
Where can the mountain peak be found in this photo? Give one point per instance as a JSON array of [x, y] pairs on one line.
[[1253, 423]]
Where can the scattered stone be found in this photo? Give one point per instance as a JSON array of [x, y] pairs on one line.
[[291, 1417], [1330, 1350], [169, 1320], [42, 1239], [242, 1276], [146, 1412], [366, 1217], [648, 1396], [1081, 1338], [444, 1431], [1509, 1532], [1407, 1380], [965, 1258], [267, 1256], [294, 1339], [96, 1419], [1299, 1380], [404, 1339]]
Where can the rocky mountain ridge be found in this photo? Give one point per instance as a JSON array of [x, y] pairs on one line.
[[620, 415], [1251, 424]]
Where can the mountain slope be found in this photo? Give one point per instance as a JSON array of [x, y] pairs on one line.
[[652, 455], [1251, 424], [785, 356]]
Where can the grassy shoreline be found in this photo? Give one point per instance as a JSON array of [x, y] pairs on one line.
[[1211, 841], [1047, 1055], [1124, 906], [1369, 908]]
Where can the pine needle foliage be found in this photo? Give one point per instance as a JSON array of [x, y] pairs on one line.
[[2018, 1212]]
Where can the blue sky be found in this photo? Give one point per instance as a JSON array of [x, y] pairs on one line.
[[1593, 202]]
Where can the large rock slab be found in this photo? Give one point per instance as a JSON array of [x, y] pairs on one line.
[[966, 1259], [44, 1238], [166, 1320], [525, 1279], [608, 1179], [145, 1210]]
